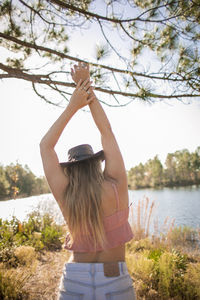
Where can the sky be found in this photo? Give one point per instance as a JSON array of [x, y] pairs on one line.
[[142, 130]]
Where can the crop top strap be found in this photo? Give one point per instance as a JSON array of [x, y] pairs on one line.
[[116, 195]]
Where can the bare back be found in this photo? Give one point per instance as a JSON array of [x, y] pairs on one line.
[[109, 207]]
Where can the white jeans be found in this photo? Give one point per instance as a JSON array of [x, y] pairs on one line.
[[86, 281]]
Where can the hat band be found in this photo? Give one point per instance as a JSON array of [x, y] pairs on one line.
[[79, 157]]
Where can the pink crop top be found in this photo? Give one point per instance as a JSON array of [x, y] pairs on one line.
[[117, 229]]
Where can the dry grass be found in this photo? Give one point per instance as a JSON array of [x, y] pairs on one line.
[[12, 282], [141, 217], [26, 255], [37, 280], [43, 285]]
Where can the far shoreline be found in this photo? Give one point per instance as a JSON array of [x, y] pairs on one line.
[[160, 187]]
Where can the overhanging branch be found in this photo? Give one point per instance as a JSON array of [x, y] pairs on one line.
[[73, 8], [75, 59], [44, 79]]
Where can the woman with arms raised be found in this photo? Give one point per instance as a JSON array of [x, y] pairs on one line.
[[94, 204]]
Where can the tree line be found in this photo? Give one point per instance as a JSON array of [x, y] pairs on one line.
[[18, 181], [182, 168]]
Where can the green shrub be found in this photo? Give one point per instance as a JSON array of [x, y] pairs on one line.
[[38, 231], [7, 231], [170, 270], [155, 254], [51, 237], [140, 266], [137, 246], [192, 282], [162, 274]]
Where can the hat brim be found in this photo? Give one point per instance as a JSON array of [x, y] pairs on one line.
[[99, 155]]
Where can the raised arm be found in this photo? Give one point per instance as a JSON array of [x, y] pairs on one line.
[[56, 178], [114, 164]]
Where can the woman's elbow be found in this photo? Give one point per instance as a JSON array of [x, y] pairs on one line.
[[43, 145], [42, 148]]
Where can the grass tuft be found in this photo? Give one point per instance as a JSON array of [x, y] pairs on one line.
[[12, 283], [26, 255]]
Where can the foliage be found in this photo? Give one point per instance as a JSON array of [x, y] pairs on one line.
[[182, 169], [39, 231], [170, 273], [4, 183], [182, 235], [166, 33], [19, 243], [160, 272], [159, 269], [16, 180], [191, 281]]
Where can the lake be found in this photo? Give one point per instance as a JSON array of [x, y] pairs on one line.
[[181, 204]]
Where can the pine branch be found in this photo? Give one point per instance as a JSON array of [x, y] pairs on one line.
[[75, 59], [17, 73]]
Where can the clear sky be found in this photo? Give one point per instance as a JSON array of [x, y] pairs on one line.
[[142, 130]]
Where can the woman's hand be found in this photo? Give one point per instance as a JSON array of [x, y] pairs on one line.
[[82, 95], [80, 71]]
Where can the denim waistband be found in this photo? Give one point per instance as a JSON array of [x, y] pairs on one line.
[[94, 267]]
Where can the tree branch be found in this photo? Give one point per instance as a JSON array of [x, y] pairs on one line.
[[17, 73], [100, 17], [72, 58]]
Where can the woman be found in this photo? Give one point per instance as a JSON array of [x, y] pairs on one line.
[[93, 202]]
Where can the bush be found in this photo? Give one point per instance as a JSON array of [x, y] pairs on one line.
[[192, 282], [25, 255], [8, 257], [170, 273], [182, 236], [39, 231], [161, 274], [51, 237]]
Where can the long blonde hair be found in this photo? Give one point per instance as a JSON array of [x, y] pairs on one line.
[[83, 205]]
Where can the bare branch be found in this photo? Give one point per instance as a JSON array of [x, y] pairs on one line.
[[100, 17], [42, 96], [72, 58], [17, 73], [109, 43], [131, 37]]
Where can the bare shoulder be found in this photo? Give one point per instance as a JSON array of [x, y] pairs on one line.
[[112, 189]]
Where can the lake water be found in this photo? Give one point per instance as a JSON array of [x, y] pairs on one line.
[[181, 204]]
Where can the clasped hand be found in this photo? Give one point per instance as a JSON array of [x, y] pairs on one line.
[[80, 71], [82, 95]]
